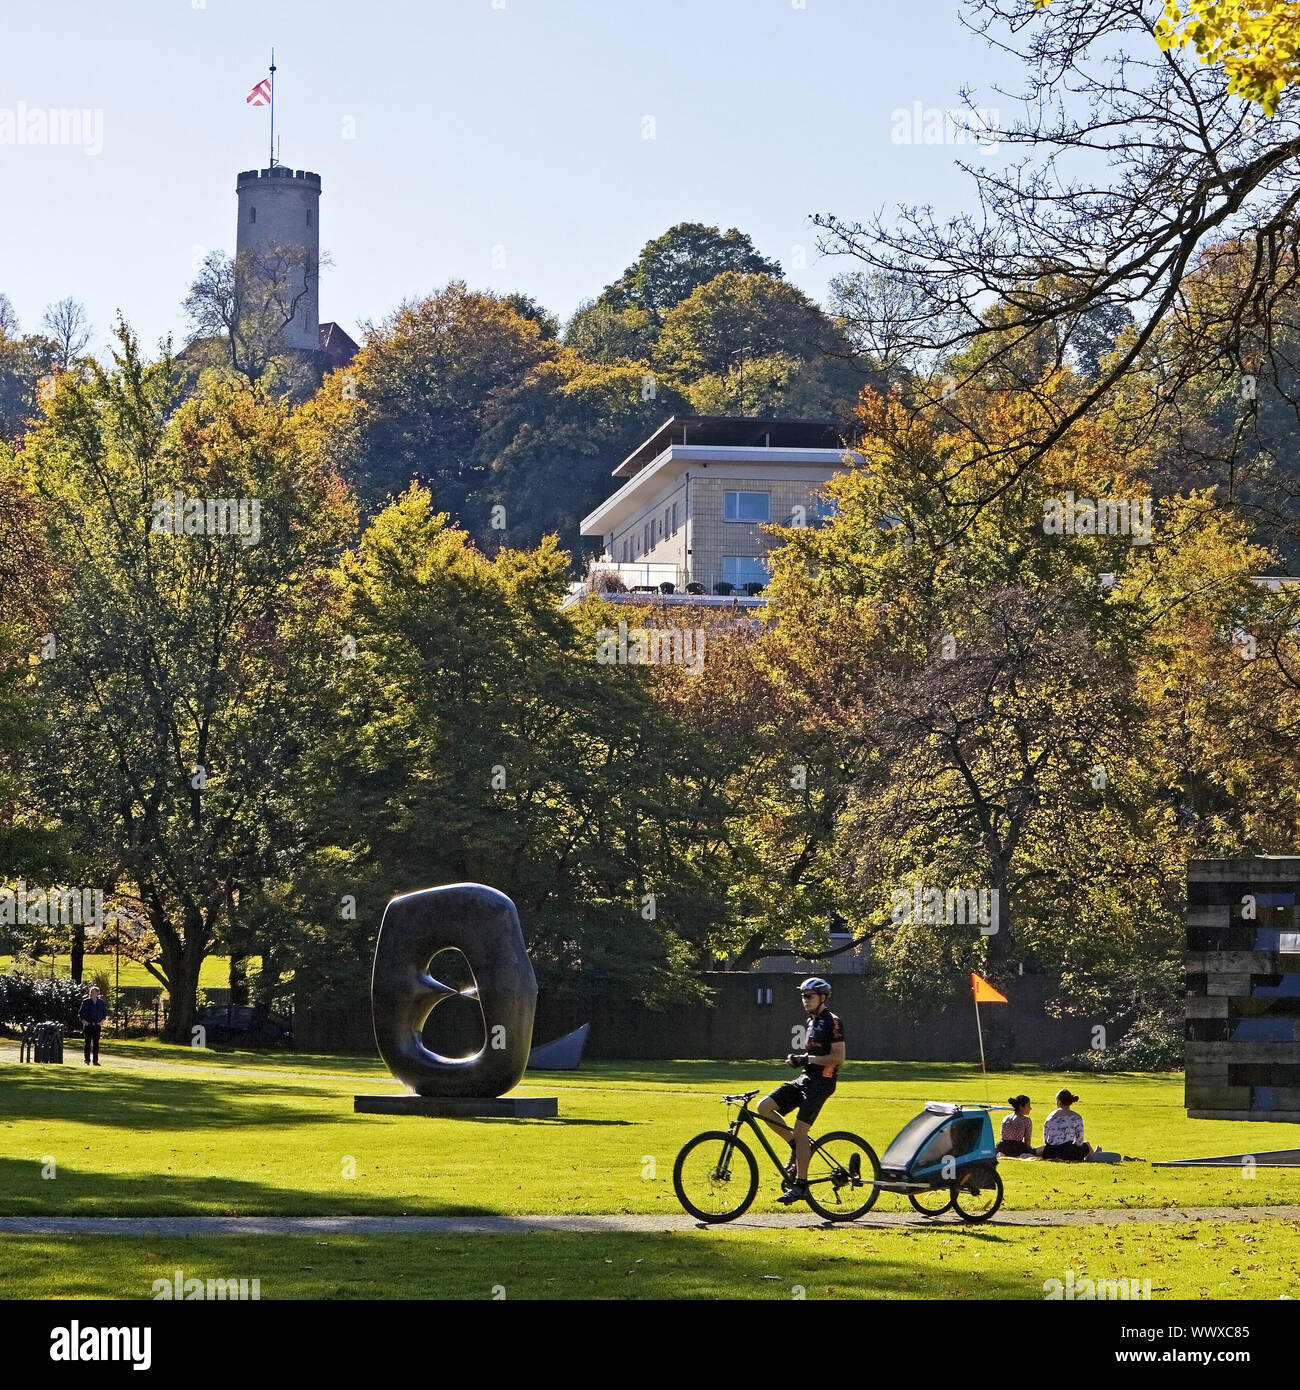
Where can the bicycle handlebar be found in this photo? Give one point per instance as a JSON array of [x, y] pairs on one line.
[[746, 1097]]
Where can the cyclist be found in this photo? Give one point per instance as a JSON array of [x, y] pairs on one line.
[[820, 1061]]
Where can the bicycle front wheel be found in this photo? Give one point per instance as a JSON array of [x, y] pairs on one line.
[[841, 1176], [715, 1176], [932, 1203]]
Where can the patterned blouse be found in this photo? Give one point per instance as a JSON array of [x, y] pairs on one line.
[[1063, 1127], [1018, 1129]]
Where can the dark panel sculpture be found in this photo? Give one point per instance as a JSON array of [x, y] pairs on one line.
[[1243, 989], [483, 924]]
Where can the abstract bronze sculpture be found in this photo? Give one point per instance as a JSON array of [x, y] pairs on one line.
[[483, 925]]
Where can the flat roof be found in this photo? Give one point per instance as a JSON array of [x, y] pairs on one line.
[[736, 431]]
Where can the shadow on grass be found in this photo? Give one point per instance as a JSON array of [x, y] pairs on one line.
[[148, 1101], [271, 1059], [78, 1192], [682, 1267]]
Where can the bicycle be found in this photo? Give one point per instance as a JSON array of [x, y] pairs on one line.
[[716, 1174]]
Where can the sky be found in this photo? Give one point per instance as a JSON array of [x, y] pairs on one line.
[[530, 145]]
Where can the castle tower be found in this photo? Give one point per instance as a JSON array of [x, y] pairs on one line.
[[279, 208]]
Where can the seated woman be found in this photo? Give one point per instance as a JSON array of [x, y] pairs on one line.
[[1017, 1129], [1063, 1135]]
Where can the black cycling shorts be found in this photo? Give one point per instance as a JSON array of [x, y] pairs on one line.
[[809, 1093]]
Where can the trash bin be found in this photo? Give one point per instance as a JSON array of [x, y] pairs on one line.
[[41, 1042]]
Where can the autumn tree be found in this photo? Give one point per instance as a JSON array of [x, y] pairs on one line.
[[480, 739], [195, 643], [1186, 164], [27, 367], [551, 443], [29, 586], [985, 711], [426, 383]]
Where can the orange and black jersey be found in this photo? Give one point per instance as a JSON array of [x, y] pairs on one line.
[[823, 1030]]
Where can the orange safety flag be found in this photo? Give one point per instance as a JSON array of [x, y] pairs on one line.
[[984, 992]]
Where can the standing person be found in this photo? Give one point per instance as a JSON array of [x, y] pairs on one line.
[[1063, 1131], [92, 1014], [822, 1059], [1017, 1129]]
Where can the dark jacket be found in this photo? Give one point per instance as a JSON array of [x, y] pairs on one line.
[[93, 1011]]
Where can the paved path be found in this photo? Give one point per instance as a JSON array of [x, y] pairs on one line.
[[595, 1225]]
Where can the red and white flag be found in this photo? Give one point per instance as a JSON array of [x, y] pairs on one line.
[[261, 94]]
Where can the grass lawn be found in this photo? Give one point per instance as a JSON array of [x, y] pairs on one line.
[[161, 1130], [1204, 1260], [214, 973]]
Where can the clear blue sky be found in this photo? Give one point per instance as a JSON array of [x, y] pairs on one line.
[[518, 127]]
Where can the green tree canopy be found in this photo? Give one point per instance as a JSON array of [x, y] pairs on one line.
[[683, 258]]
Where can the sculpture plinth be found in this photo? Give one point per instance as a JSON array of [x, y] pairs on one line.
[[483, 926], [461, 1107]]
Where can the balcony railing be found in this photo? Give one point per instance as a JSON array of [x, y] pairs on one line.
[[643, 575]]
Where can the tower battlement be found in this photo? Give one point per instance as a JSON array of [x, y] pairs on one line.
[[280, 171]]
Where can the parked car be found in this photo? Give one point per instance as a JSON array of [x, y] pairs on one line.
[[242, 1023]]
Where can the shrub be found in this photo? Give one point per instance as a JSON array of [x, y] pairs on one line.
[[1153, 1042], [605, 582], [28, 999]]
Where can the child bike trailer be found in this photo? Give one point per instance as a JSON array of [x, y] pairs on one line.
[[946, 1157]]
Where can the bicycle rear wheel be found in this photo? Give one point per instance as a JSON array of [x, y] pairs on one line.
[[715, 1176], [841, 1176], [978, 1206]]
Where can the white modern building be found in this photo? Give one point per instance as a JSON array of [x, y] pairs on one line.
[[697, 492]]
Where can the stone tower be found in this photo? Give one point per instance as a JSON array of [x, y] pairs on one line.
[[279, 207]]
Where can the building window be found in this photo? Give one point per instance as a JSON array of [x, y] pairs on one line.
[[739, 570], [674, 518], [665, 523], [625, 552], [747, 506], [252, 214], [645, 535]]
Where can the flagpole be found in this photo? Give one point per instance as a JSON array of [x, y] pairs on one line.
[[979, 1029], [272, 165]]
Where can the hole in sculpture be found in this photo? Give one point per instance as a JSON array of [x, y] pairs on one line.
[[455, 1029]]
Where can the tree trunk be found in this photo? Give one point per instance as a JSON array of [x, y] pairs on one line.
[[999, 1034], [78, 950], [239, 978], [182, 960], [751, 953]]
